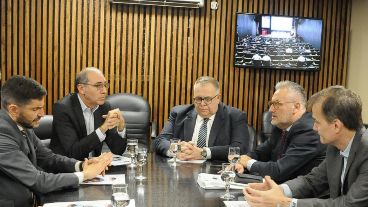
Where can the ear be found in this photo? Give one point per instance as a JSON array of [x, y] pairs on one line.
[[338, 125], [80, 88], [13, 110]]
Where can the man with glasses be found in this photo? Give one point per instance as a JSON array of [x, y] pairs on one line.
[[206, 128], [294, 147], [83, 120]]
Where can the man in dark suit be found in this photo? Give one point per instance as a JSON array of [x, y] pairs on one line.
[[206, 128], [294, 147], [83, 120], [344, 173], [27, 167]]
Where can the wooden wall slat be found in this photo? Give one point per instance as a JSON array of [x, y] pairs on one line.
[[159, 52]]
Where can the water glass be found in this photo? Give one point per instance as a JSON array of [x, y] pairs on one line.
[[120, 196], [227, 175], [234, 155], [132, 149], [175, 148], [141, 161]]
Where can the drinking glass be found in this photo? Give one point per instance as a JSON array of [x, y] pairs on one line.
[[120, 196], [227, 175], [141, 161], [132, 148], [234, 155], [175, 148]]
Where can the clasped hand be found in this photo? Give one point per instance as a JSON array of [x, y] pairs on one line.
[[188, 151], [96, 166], [113, 119]]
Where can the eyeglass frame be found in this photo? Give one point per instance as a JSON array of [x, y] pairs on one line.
[[98, 86], [209, 101], [277, 104]]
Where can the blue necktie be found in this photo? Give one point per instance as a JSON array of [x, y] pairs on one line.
[[202, 135]]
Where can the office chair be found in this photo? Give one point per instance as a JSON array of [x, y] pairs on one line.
[[266, 127], [252, 138], [44, 131], [137, 113]]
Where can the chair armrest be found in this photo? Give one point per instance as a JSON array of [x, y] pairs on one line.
[[153, 130]]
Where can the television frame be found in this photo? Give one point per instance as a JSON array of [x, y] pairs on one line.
[[312, 62]]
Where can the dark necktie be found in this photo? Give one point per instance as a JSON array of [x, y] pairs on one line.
[[202, 135], [282, 144]]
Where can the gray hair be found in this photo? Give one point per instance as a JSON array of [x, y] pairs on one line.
[[294, 87], [203, 80], [82, 77]]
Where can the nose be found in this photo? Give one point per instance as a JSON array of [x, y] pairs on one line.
[[271, 109], [41, 112]]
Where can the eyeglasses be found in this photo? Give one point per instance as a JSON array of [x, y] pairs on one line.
[[99, 86], [207, 100], [277, 104]]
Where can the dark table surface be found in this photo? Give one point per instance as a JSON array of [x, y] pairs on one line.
[[165, 186]]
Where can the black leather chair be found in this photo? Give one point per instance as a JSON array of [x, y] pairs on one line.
[[252, 138], [137, 114], [266, 127], [44, 131]]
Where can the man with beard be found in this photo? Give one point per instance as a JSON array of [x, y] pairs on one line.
[[83, 121], [294, 147], [27, 167]]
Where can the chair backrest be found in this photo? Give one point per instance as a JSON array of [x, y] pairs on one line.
[[266, 126], [44, 131], [136, 112], [252, 138]]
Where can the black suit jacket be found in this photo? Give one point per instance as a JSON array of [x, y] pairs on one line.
[[21, 173], [69, 130], [303, 152], [228, 129]]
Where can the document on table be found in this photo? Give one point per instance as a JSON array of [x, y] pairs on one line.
[[236, 204], [98, 203], [118, 160], [106, 180], [187, 161], [213, 181]]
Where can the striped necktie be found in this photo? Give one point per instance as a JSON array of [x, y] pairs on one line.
[[202, 135]]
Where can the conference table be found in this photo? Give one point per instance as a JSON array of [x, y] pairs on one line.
[[165, 186]]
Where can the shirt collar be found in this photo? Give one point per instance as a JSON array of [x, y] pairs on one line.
[[84, 107], [210, 118], [346, 151]]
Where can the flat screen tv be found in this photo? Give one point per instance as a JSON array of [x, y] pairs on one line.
[[278, 42]]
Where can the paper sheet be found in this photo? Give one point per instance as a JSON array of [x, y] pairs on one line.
[[236, 204], [118, 160], [106, 180], [213, 181], [188, 161], [98, 203]]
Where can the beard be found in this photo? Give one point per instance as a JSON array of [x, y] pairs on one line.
[[24, 122]]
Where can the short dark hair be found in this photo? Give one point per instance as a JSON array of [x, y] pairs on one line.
[[21, 90], [340, 103]]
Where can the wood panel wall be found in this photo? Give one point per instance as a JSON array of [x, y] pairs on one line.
[[159, 52]]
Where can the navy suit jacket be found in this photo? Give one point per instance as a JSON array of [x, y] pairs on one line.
[[228, 129], [22, 174], [303, 152], [69, 130]]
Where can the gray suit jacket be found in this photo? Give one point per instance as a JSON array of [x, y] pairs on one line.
[[20, 175], [228, 129], [327, 177]]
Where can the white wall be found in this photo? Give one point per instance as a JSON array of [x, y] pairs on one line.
[[358, 54]]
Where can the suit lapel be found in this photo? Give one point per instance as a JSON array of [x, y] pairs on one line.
[[77, 108], [189, 124], [31, 147], [216, 126], [335, 172]]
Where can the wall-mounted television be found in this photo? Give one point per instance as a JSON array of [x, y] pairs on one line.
[[278, 42]]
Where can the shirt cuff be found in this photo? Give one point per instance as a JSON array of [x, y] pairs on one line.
[[287, 190], [293, 203], [169, 153], [208, 151], [80, 176], [101, 136], [122, 133], [76, 166], [250, 163]]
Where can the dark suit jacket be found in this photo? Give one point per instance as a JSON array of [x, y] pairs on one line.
[[69, 130], [21, 175], [228, 129], [303, 152], [327, 177]]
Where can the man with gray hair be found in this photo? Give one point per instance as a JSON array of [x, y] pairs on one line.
[[83, 120], [294, 147], [206, 128]]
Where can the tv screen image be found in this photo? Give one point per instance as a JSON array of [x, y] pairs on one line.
[[278, 42]]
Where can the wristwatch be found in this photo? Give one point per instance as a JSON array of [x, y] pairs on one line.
[[204, 153]]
